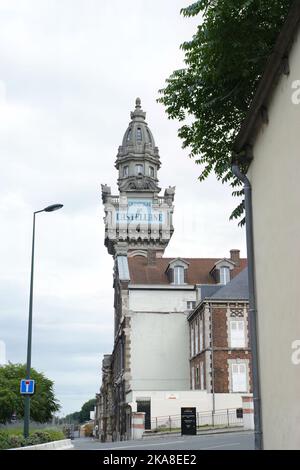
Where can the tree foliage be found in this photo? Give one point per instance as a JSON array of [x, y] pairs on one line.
[[224, 61], [42, 404], [82, 415]]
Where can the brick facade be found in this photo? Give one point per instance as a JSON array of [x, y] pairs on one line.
[[217, 350]]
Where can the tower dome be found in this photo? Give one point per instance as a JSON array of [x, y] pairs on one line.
[[138, 159], [138, 132]]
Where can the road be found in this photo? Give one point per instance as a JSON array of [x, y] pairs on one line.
[[227, 441]]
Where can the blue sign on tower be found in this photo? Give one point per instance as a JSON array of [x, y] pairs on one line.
[[27, 387]]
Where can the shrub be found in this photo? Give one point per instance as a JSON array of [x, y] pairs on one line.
[[8, 440], [88, 430], [4, 438]]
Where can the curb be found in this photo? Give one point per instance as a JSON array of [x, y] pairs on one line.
[[199, 433], [64, 444]]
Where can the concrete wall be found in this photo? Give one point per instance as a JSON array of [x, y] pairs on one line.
[[161, 351], [168, 300], [274, 174], [169, 403]]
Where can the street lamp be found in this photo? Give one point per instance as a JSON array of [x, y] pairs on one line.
[[52, 208]]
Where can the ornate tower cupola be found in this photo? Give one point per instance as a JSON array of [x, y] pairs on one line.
[[138, 159], [138, 221]]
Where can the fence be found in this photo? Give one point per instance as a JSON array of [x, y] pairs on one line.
[[219, 418]]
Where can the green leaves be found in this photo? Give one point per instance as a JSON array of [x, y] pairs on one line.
[[224, 61], [43, 403]]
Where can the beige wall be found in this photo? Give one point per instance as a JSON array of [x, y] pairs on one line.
[[275, 177]]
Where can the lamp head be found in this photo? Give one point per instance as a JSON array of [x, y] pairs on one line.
[[53, 207]]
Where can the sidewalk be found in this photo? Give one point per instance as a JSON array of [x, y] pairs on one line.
[[207, 431]]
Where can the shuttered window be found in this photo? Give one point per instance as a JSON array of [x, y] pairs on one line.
[[239, 377], [237, 334]]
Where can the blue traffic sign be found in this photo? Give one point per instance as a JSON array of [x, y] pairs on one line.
[[27, 387]]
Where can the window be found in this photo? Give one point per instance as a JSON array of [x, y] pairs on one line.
[[151, 171], [178, 275], [193, 378], [201, 335], [129, 134], [149, 136], [201, 376], [197, 375], [138, 169], [139, 134], [224, 275], [196, 338], [191, 304], [237, 334], [239, 377], [125, 171], [192, 341]]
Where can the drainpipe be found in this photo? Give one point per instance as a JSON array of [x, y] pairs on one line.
[[212, 366], [252, 307]]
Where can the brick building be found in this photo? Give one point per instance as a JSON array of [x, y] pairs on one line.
[[220, 356]]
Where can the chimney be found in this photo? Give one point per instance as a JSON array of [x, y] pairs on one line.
[[235, 256], [151, 256]]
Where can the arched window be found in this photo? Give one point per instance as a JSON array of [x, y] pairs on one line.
[[139, 134], [129, 134], [151, 171], [125, 171], [138, 169]]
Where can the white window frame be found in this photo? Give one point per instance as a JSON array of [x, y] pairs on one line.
[[239, 377], [190, 304], [237, 333], [224, 275], [178, 275]]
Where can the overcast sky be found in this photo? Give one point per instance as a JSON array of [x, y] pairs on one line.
[[70, 73]]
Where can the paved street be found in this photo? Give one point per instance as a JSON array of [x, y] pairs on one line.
[[226, 441]]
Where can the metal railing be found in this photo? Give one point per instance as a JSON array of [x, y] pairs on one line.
[[208, 419]]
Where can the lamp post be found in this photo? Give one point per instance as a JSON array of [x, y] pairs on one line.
[[52, 208]]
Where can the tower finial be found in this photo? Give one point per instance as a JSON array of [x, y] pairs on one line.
[[138, 103]]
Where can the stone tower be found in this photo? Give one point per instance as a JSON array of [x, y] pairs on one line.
[[138, 221]]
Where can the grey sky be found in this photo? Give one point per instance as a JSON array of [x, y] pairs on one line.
[[70, 73]]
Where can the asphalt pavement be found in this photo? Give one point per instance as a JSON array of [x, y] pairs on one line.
[[242, 440]]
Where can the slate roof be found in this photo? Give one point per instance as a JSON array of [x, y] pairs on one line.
[[237, 289]]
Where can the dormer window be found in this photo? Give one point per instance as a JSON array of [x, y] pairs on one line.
[[224, 275], [129, 134], [138, 169], [125, 171], [151, 171], [177, 272], [139, 134]]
